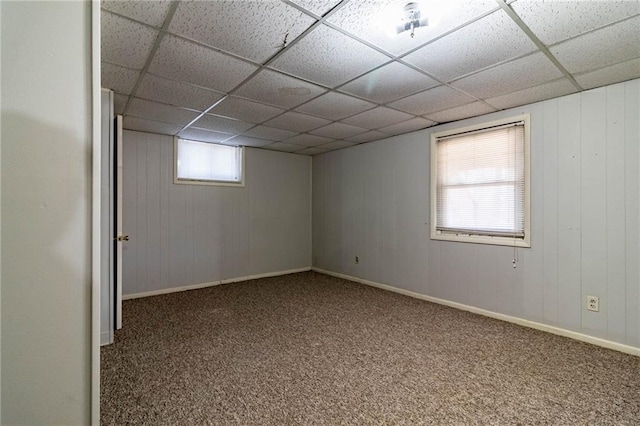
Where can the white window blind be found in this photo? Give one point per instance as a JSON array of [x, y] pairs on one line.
[[207, 162], [480, 182]]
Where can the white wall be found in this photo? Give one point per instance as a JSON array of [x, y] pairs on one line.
[[183, 235], [372, 201], [46, 142], [0, 219]]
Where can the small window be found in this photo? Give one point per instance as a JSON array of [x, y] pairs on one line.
[[202, 163], [480, 183]]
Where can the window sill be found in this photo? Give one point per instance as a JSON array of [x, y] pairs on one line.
[[482, 239], [207, 182]]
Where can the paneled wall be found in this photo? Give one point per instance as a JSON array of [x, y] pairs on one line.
[[183, 235], [372, 201]]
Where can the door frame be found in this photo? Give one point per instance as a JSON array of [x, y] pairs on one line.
[[96, 219]]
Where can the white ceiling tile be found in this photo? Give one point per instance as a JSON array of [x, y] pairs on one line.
[[530, 95], [247, 141], [554, 21], [308, 140], [125, 42], [389, 82], [252, 29], [408, 126], [496, 38], [176, 93], [160, 112], [597, 41], [328, 57], [312, 151], [119, 102], [181, 60], [377, 117], [613, 74], [373, 135], [284, 147], [338, 131], [519, 74], [335, 106], [317, 7], [297, 122], [271, 133], [431, 100], [458, 113], [222, 124], [278, 89], [142, 125], [616, 43], [152, 12], [361, 18], [244, 110], [336, 145], [117, 78], [203, 135]]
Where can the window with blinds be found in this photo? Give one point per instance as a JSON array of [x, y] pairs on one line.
[[203, 163], [480, 183]]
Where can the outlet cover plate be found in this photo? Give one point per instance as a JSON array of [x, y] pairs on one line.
[[593, 303]]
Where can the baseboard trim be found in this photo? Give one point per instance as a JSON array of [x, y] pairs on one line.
[[631, 350], [212, 284]]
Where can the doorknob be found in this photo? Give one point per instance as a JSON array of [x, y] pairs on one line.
[[123, 238]]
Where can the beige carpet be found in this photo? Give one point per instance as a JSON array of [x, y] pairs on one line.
[[312, 349]]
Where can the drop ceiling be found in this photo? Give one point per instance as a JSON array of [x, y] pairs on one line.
[[311, 76]]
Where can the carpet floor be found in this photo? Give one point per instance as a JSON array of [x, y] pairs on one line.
[[310, 349]]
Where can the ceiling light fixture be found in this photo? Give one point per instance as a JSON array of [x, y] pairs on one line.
[[399, 16], [412, 18]]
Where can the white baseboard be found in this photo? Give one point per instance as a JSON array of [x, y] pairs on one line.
[[211, 284], [632, 350]]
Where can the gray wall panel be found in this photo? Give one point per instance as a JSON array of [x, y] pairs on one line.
[[594, 206], [373, 199], [531, 290], [152, 222], [550, 247], [632, 210], [274, 221], [615, 210], [569, 213], [141, 212], [129, 249], [193, 234]]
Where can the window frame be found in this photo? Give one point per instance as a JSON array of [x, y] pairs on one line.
[[187, 181], [479, 238]]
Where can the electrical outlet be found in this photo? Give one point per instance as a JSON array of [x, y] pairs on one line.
[[357, 259], [593, 303]]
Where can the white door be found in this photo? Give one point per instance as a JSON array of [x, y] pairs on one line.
[[107, 317], [121, 238], [111, 237]]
